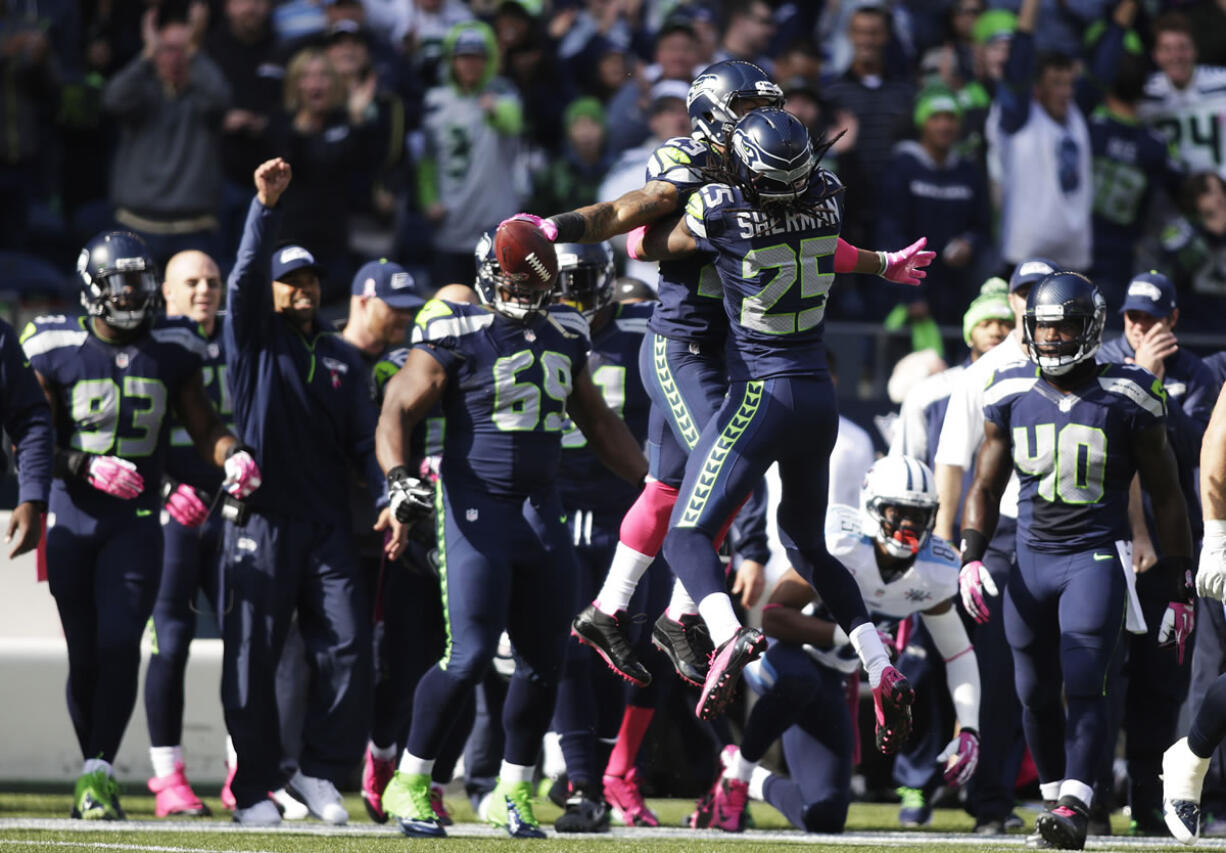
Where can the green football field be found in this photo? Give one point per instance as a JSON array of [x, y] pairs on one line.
[[36, 821]]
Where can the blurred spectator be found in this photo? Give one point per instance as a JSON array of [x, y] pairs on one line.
[[573, 179], [929, 189], [166, 177], [993, 32], [423, 27], [881, 104], [961, 20], [1041, 144], [588, 33], [1208, 21], [472, 127], [1185, 100], [800, 60], [529, 61], [748, 29], [1193, 251], [667, 117], [1130, 162], [32, 77], [676, 52], [325, 132], [1060, 23], [244, 47]]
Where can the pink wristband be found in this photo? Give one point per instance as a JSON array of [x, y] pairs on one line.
[[634, 242], [845, 256]]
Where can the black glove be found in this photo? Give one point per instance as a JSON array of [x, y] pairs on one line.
[[410, 498]]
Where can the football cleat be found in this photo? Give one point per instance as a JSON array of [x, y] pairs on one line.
[[174, 796], [704, 811], [96, 797], [892, 700], [604, 634], [1064, 827], [729, 808], [584, 813], [1182, 819], [320, 797], [263, 813], [407, 799], [916, 810], [1183, 778], [724, 671], [227, 794], [439, 805], [376, 773], [624, 797], [290, 808], [687, 644], [511, 808]]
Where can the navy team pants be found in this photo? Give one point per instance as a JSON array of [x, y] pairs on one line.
[[790, 419], [686, 383], [103, 573], [1064, 614], [190, 562], [805, 703], [274, 566], [504, 563], [1209, 662]]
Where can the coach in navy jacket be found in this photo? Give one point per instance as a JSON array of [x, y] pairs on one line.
[[302, 401]]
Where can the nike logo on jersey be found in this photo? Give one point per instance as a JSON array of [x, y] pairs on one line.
[[1101, 557], [143, 513]]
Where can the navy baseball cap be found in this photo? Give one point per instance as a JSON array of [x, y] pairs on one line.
[[1031, 271], [289, 258], [388, 281], [1151, 292]]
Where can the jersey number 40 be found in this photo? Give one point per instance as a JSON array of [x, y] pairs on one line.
[[1071, 464]]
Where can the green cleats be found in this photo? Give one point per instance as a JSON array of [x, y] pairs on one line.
[[511, 808], [96, 797], [407, 799]]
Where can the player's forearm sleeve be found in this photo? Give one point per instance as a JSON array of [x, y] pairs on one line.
[[961, 666]]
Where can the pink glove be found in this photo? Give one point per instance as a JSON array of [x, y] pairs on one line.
[[1177, 624], [964, 749], [906, 266], [973, 581], [548, 228], [115, 476], [242, 474], [634, 242], [185, 506]]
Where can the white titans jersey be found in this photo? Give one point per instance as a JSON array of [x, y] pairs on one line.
[[1191, 118]]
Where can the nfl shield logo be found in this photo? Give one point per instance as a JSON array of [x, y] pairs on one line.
[[471, 515], [121, 360]]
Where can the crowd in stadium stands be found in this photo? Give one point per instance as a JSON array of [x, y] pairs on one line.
[[1022, 139]]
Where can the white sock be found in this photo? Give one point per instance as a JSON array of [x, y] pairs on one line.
[[717, 612], [1183, 772], [512, 773], [94, 764], [1049, 790], [165, 759], [680, 604], [231, 754], [411, 764], [554, 761], [740, 768], [623, 579], [1080, 790], [867, 643], [383, 753], [757, 783]]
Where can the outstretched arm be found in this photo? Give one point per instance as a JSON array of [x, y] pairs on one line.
[[607, 219]]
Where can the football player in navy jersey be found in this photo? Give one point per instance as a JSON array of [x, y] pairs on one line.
[[1076, 432], [112, 377], [774, 230], [507, 374], [191, 535]]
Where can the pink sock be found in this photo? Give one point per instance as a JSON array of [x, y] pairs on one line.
[[630, 736], [646, 523]]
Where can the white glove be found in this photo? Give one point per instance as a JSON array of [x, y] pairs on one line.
[[1211, 574]]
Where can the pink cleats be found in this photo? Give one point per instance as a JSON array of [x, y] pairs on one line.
[[175, 796]]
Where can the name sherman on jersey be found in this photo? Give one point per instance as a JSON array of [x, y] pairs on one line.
[[931, 579], [1191, 118], [505, 399], [1073, 452], [690, 306], [113, 399], [776, 270]]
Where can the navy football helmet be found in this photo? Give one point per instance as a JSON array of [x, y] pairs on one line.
[[713, 96], [519, 300], [585, 276], [772, 156], [1058, 298], [119, 280]]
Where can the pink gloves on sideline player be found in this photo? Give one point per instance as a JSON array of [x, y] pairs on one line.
[[242, 474], [115, 476], [186, 507]]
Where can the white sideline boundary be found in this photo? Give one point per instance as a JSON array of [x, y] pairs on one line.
[[93, 831]]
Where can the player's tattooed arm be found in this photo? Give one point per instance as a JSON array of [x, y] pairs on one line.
[[665, 241], [606, 432], [199, 417], [992, 471], [782, 617], [1160, 477], [609, 218], [407, 398]]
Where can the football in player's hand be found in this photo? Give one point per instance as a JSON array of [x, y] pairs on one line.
[[525, 253]]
